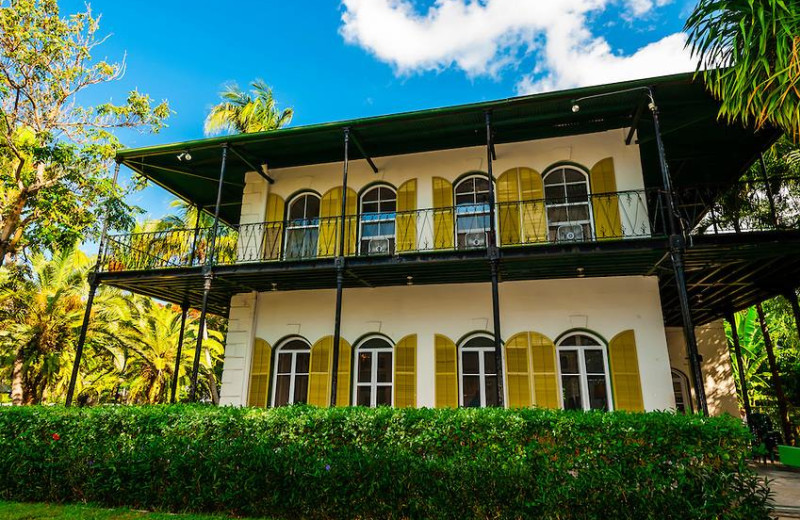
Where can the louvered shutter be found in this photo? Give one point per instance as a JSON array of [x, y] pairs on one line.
[[624, 368], [259, 374], [446, 361], [405, 372]]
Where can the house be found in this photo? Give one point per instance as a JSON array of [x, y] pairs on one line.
[[561, 250]]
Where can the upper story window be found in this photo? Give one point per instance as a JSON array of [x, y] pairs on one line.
[[478, 372], [583, 368], [374, 369], [291, 373], [680, 386], [302, 227], [378, 211], [569, 217], [472, 211]]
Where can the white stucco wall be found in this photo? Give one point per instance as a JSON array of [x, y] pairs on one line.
[[606, 306]]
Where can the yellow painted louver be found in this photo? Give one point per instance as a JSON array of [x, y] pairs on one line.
[[329, 211], [443, 218], [545, 376], [259, 374], [406, 220], [273, 232], [605, 201], [319, 372], [508, 207], [446, 361], [405, 372], [518, 375], [534, 214], [624, 368], [343, 377]]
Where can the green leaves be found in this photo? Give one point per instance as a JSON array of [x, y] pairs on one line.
[[247, 112]]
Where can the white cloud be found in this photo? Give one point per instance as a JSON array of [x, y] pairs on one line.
[[481, 38]]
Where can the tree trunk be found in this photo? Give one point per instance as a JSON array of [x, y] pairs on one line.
[[212, 387], [783, 410], [10, 232], [17, 388]]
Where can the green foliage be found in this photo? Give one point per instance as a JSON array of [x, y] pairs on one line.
[[750, 50], [247, 112], [302, 462], [18, 511]]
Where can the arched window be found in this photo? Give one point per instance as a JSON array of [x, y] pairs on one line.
[[302, 226], [472, 211], [378, 211], [478, 372], [373, 374], [680, 385], [569, 216], [291, 372], [583, 369]]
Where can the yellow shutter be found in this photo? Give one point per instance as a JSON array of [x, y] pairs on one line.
[[319, 376], [446, 361], [405, 372], [273, 227], [443, 220], [625, 372], [534, 216], [508, 207], [518, 371], [343, 377], [259, 374], [605, 201], [545, 376], [329, 208], [406, 221], [351, 223]]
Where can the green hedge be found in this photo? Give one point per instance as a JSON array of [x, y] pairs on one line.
[[303, 462]]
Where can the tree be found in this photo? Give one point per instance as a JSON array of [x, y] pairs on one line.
[[246, 112], [55, 152], [749, 51]]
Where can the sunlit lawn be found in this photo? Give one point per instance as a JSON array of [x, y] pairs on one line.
[[17, 511]]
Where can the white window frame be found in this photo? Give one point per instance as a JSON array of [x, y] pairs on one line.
[[382, 217], [292, 371], [373, 383], [481, 367], [290, 227], [472, 213], [686, 392], [588, 203], [582, 375]]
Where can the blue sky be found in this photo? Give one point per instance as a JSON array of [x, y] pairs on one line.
[[332, 60]]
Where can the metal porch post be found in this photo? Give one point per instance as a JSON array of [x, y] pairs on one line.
[[737, 348], [337, 320], [677, 248], [93, 283], [208, 275], [494, 262]]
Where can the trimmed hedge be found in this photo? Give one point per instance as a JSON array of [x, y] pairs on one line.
[[303, 462]]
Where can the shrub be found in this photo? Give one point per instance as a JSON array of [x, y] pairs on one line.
[[303, 462]]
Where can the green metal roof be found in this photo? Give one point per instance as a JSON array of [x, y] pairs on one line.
[[699, 148]]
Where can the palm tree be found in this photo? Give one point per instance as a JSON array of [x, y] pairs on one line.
[[246, 112], [754, 355], [749, 51]]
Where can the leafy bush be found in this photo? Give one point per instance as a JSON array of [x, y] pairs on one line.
[[303, 462]]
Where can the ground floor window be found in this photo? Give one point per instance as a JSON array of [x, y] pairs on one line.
[[478, 372], [291, 373], [374, 368], [680, 386], [583, 369]]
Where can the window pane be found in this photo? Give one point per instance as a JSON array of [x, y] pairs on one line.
[[471, 391], [467, 186], [489, 366], [491, 390], [300, 389], [301, 362], [384, 367], [554, 177], [362, 396], [312, 206], [554, 193], [572, 392], [369, 207], [464, 199], [371, 195], [282, 391], [297, 209], [295, 344], [383, 396], [370, 230], [571, 175], [558, 214], [579, 212], [577, 192], [594, 362], [598, 400], [388, 206], [469, 362], [569, 361], [284, 362], [364, 367]]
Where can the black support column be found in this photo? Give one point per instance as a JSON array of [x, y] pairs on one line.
[[93, 284], [677, 248], [494, 263], [208, 276], [737, 349], [340, 265]]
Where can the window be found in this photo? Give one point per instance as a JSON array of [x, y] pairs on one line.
[[472, 211], [680, 386], [378, 207], [569, 217], [478, 372], [291, 373], [583, 368], [302, 228], [374, 368]]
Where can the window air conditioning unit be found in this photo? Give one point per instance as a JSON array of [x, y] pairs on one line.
[[378, 246], [570, 233], [475, 239]]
